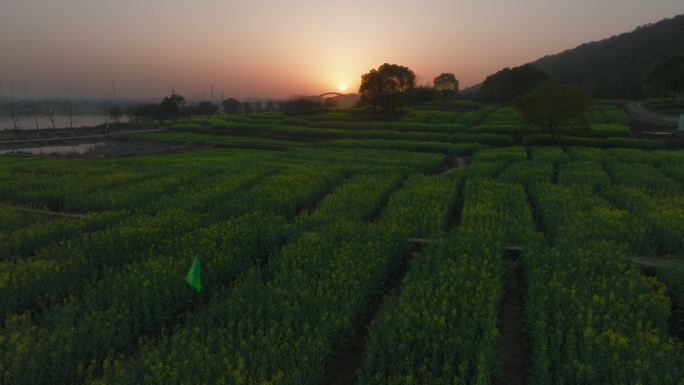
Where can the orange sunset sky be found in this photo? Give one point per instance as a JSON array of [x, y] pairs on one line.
[[280, 48]]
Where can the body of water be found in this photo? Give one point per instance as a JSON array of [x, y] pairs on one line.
[[61, 121], [47, 150]]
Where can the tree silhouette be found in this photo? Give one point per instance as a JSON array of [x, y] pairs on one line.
[[387, 86], [446, 84], [667, 78], [552, 105], [171, 106], [231, 106], [511, 83], [206, 108]]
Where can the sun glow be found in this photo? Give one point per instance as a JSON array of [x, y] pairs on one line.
[[342, 87]]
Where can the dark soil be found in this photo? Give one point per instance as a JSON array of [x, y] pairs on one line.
[[513, 348]]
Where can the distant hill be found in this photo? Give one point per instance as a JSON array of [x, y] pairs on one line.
[[616, 67]]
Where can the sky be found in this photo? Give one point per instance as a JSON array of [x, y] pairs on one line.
[[279, 48]]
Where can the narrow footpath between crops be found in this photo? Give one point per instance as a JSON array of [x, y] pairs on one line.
[[513, 348], [43, 212], [453, 163], [343, 370]]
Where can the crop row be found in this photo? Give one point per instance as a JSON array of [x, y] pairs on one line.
[[422, 207], [642, 175], [584, 173], [345, 203], [60, 268], [528, 172], [302, 131], [25, 241], [281, 325], [576, 214], [147, 294], [662, 212], [408, 145], [595, 319], [12, 219], [442, 328]]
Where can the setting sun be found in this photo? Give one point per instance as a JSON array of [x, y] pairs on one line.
[[342, 87]]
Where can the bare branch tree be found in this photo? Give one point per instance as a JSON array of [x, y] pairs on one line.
[[70, 111], [50, 108], [35, 108], [15, 112], [107, 117]]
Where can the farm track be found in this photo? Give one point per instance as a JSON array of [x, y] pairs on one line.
[[43, 212], [641, 114]]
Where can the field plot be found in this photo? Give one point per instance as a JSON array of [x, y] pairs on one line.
[[353, 261]]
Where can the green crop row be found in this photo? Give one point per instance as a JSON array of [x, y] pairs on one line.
[[110, 313], [25, 241], [315, 132], [642, 175], [576, 214], [508, 153], [422, 207], [608, 142], [346, 203], [609, 130], [12, 219], [442, 329], [528, 172], [595, 319], [662, 212], [58, 269], [584, 173], [550, 154], [493, 205], [280, 326], [408, 145]]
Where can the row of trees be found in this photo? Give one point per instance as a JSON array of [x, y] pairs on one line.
[[35, 109], [391, 87]]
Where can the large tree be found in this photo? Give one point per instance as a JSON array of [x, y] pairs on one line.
[[171, 106], [553, 105], [667, 78], [206, 108], [231, 106], [387, 86], [446, 84], [511, 83]]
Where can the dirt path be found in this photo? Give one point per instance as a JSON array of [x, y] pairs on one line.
[[638, 112], [43, 212], [513, 349], [454, 163], [656, 261]]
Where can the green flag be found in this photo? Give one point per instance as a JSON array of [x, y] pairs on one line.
[[194, 278]]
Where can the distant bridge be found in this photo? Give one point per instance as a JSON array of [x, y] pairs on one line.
[[330, 94]]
